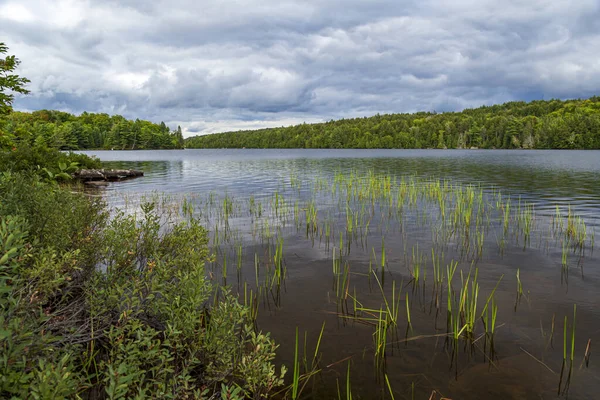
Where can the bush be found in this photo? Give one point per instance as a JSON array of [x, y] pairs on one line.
[[44, 161], [56, 217], [119, 308]]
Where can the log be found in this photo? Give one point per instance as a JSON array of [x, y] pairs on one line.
[[106, 174]]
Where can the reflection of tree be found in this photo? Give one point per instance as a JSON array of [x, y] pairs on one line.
[[536, 175]]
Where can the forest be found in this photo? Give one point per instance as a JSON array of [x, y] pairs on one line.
[[64, 131], [541, 124]]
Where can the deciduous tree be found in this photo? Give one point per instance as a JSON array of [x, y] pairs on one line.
[[10, 83]]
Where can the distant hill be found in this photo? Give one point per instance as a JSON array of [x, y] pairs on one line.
[[553, 124]]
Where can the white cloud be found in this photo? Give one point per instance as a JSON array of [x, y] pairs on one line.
[[16, 12]]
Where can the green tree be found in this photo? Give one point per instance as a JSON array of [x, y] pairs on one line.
[[9, 82], [178, 141]]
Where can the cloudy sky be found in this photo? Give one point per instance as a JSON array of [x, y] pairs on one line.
[[218, 65]]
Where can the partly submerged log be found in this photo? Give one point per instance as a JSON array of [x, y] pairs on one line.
[[106, 174]]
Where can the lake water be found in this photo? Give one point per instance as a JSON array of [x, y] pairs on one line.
[[536, 218]]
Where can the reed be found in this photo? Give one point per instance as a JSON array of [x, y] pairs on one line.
[[519, 288], [296, 373], [562, 369], [573, 333], [348, 386], [352, 208], [387, 382], [408, 312], [588, 352]]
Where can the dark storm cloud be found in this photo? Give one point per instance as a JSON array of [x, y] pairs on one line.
[[218, 65]]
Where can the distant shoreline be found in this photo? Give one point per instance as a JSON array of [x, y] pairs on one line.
[[553, 124], [327, 149]]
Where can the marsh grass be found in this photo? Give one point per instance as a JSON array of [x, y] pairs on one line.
[[347, 216]]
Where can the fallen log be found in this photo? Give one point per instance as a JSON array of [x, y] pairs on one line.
[[106, 174]]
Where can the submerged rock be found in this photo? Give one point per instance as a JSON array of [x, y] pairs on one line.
[[96, 183], [88, 175]]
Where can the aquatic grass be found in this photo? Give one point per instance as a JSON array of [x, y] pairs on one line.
[[256, 267], [387, 382], [489, 326], [348, 386], [588, 352], [519, 289], [391, 311], [480, 236], [418, 260], [380, 336], [363, 207], [224, 269], [296, 373], [315, 359], [494, 316], [571, 356], [468, 302], [450, 271], [506, 210], [408, 313], [382, 254], [239, 256], [279, 271], [552, 325], [573, 333], [295, 389], [438, 275]]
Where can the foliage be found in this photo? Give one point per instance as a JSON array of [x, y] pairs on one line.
[[93, 307], [61, 130], [554, 124], [9, 82], [56, 217], [46, 162]]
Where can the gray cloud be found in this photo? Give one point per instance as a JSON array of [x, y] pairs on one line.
[[217, 65]]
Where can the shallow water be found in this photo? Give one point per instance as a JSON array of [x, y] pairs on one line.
[[526, 363]]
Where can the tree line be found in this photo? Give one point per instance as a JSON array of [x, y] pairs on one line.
[[553, 124], [64, 131]]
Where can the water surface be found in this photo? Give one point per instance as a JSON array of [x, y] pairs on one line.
[[528, 361]]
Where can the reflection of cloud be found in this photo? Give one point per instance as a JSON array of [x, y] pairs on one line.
[[222, 65]]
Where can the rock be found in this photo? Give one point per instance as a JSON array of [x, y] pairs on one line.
[[106, 174], [89, 174]]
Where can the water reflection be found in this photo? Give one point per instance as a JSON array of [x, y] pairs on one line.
[[539, 177], [545, 178]]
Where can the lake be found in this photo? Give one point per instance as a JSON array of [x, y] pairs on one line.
[[443, 272]]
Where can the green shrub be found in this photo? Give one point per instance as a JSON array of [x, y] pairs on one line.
[[47, 162], [56, 217], [119, 308], [154, 296]]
